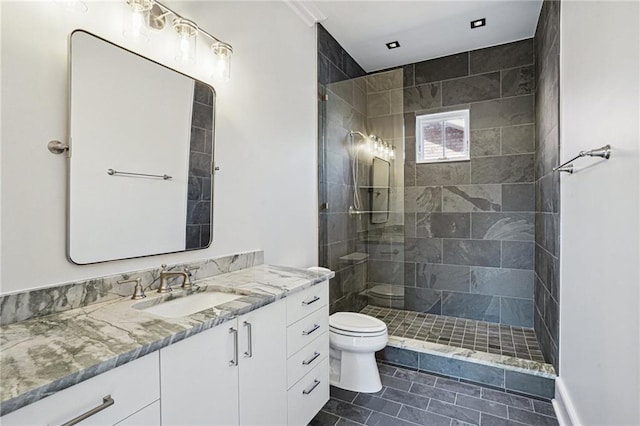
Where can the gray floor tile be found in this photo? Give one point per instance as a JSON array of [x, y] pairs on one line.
[[456, 422], [347, 422], [415, 376], [507, 398], [544, 408], [406, 398], [342, 394], [422, 417], [386, 369], [489, 420], [424, 408], [433, 392], [346, 410], [396, 383], [465, 414], [483, 405], [379, 419], [459, 387], [324, 419], [377, 404], [531, 418]]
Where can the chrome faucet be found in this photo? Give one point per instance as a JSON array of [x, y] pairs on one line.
[[164, 279]]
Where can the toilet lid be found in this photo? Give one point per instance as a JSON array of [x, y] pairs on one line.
[[388, 290], [354, 322]]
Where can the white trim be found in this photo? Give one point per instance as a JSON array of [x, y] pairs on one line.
[[564, 407], [307, 11]]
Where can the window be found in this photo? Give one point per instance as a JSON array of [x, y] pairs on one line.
[[442, 137]]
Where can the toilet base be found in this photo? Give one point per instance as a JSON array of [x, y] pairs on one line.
[[355, 371]]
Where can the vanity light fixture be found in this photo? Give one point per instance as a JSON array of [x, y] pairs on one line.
[[478, 23], [134, 19], [72, 5], [144, 14], [187, 31]]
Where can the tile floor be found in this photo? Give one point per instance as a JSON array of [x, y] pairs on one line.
[[519, 342], [410, 398]]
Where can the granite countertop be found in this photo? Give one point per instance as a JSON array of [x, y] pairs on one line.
[[41, 356]]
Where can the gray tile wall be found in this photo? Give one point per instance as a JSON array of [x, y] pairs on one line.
[[547, 183], [198, 232], [470, 225], [345, 109]]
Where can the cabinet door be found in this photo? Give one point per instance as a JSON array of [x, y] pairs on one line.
[[131, 386], [199, 384], [263, 366]]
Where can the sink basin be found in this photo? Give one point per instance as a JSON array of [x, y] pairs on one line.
[[187, 305]]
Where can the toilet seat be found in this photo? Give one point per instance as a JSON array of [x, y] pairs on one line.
[[355, 324], [387, 291]]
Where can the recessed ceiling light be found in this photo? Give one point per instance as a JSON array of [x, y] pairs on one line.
[[478, 23], [393, 45]]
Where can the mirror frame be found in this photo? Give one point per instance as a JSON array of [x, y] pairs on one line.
[[69, 153]]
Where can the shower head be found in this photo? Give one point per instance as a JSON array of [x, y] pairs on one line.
[[370, 137]]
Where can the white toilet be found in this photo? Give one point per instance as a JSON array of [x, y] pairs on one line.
[[387, 296], [354, 338]]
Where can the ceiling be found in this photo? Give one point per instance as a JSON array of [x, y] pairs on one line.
[[425, 29]]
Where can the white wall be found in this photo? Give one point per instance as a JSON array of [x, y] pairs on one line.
[[265, 195], [600, 238]]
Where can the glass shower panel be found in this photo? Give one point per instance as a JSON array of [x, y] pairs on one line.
[[361, 154]]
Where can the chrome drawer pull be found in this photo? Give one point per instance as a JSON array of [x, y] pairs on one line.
[[310, 360], [249, 352], [313, 300], [234, 361], [310, 389], [311, 330], [107, 402]]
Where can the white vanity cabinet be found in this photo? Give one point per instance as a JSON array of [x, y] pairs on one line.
[[307, 353], [134, 388], [232, 374]]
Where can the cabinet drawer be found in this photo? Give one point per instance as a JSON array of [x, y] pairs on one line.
[[307, 330], [148, 416], [307, 301], [132, 387], [307, 358], [309, 395]]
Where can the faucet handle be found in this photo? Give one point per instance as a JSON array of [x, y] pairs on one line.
[[188, 283], [163, 267], [138, 291]]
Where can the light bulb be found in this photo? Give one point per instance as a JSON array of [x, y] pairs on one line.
[[73, 5], [187, 31], [135, 19], [222, 60]]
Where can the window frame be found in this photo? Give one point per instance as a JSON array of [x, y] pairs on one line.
[[439, 117]]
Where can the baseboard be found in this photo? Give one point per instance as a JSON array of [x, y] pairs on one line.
[[563, 406]]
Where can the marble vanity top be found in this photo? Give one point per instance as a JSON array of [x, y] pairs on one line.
[[41, 356]]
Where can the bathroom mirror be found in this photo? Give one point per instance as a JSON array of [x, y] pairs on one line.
[[380, 186], [140, 157]]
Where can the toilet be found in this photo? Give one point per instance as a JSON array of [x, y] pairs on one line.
[[353, 339], [386, 295]]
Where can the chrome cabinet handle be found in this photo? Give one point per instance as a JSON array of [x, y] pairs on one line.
[[249, 352], [310, 389], [313, 300], [107, 402], [234, 361], [310, 360], [311, 330]]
